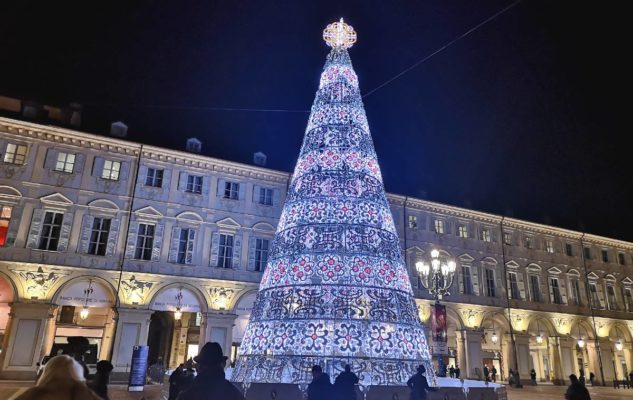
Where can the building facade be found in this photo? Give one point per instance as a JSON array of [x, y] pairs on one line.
[[130, 244]]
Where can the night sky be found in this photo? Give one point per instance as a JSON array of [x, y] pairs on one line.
[[524, 117]]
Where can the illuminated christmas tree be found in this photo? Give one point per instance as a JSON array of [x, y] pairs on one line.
[[336, 289]]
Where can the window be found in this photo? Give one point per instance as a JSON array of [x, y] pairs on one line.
[[413, 221], [612, 304], [231, 190], [185, 246], [5, 218], [621, 259], [439, 226], [490, 282], [462, 231], [15, 154], [507, 238], [628, 299], [587, 253], [99, 237], [605, 255], [65, 162], [154, 177], [144, 242], [485, 234], [527, 242], [51, 228], [514, 286], [467, 280], [261, 254], [225, 252], [593, 289], [535, 288], [549, 246], [575, 288], [194, 184], [111, 170], [556, 297], [265, 196], [569, 251]]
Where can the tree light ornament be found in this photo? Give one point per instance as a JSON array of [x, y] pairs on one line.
[[336, 289]]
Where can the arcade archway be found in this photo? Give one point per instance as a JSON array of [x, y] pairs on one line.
[[7, 295]]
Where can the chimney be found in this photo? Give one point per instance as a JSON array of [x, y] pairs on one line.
[[259, 158], [193, 145], [118, 129]]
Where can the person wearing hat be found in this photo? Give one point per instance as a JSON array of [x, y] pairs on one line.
[[210, 383], [100, 380], [419, 385]]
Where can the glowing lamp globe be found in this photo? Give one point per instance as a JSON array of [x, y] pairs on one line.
[[618, 345], [581, 343], [177, 314], [435, 253], [84, 313], [494, 337], [539, 338]]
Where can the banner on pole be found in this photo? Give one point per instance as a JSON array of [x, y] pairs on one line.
[[438, 329]]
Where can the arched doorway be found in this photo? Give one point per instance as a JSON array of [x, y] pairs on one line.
[[174, 331], [494, 345], [86, 309], [621, 351], [542, 332], [6, 298]]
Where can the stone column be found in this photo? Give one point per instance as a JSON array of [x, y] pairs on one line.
[[556, 360], [470, 344], [132, 330], [606, 351], [569, 365], [178, 347], [507, 353], [594, 363], [107, 342], [28, 331], [523, 356], [218, 327], [628, 355]]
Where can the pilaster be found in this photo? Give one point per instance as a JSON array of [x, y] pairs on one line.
[[469, 353], [217, 327], [132, 330]]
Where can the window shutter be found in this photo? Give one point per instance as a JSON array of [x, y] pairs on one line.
[[14, 225], [142, 175], [601, 296], [86, 232], [182, 180], [166, 179], [215, 248], [112, 237], [64, 235], [256, 194], [173, 248], [221, 184], [3, 148], [276, 197], [252, 243], [237, 249], [460, 278], [51, 159], [551, 290], [35, 229], [521, 284], [158, 241], [97, 166], [241, 191], [191, 247], [124, 172], [475, 277], [563, 290], [130, 246], [80, 161], [494, 236]]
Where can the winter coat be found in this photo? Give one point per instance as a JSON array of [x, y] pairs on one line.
[[576, 391], [320, 388], [211, 385], [344, 385], [60, 390], [419, 386]]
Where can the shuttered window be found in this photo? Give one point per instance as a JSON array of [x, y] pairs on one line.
[[628, 299], [556, 297], [144, 242], [575, 288], [490, 282], [535, 289], [462, 231], [467, 280], [194, 184], [5, 218], [261, 254], [439, 226], [231, 190], [154, 177], [485, 234], [514, 286], [99, 236], [51, 229], [15, 154], [593, 289], [225, 254], [265, 196], [185, 246], [65, 162], [111, 170], [612, 303]]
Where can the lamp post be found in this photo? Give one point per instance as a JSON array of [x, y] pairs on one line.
[[437, 277], [178, 312], [85, 312], [494, 336], [539, 337]]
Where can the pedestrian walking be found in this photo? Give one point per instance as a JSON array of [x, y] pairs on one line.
[[419, 385], [100, 380], [344, 385], [494, 374], [533, 377], [210, 383], [321, 387], [451, 372], [62, 379], [592, 378], [486, 373], [576, 391], [457, 371]]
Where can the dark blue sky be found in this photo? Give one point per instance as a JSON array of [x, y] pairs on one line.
[[524, 117]]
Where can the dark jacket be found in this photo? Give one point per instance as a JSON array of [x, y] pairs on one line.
[[344, 385], [99, 385], [320, 388], [174, 380], [419, 386], [211, 385], [576, 391]]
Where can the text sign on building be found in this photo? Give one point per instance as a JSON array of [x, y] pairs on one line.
[[138, 369], [438, 329], [75, 295], [167, 300]]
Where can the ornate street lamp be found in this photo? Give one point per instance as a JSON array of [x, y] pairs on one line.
[[178, 313], [85, 312], [539, 338], [437, 277], [581, 342], [618, 343], [494, 336]]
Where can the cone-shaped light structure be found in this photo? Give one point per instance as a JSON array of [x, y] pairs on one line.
[[336, 290]]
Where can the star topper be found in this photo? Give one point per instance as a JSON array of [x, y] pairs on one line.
[[339, 35]]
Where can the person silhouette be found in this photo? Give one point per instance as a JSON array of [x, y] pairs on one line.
[[344, 384]]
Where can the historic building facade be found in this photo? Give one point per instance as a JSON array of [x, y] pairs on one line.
[[131, 244]]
